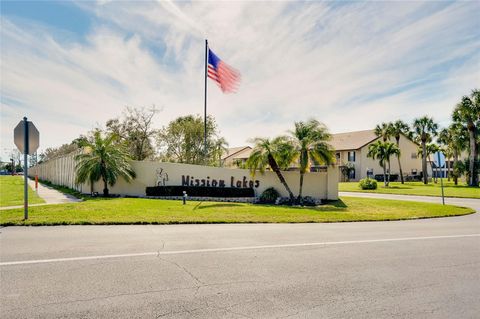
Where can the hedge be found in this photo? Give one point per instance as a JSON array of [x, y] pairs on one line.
[[200, 191]]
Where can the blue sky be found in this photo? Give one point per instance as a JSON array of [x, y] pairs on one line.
[[70, 66]]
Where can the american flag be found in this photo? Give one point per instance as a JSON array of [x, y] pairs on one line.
[[226, 77]]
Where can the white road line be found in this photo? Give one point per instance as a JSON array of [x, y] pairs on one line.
[[211, 250]]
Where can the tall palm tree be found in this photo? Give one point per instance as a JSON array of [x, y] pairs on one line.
[[383, 151], [467, 112], [276, 154], [310, 143], [397, 129], [384, 131], [424, 129], [103, 158]]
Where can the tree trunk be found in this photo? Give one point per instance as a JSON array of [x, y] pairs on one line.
[[273, 164], [473, 177], [105, 188], [385, 175], [434, 178], [447, 166], [300, 201], [424, 163], [388, 174], [455, 162], [399, 164]]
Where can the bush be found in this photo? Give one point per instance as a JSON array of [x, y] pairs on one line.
[[200, 191], [310, 201], [283, 201], [269, 196], [368, 183]]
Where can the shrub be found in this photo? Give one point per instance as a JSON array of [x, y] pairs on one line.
[[368, 183], [200, 191], [310, 201], [269, 196]]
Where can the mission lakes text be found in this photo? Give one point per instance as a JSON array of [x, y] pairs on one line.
[[188, 180]]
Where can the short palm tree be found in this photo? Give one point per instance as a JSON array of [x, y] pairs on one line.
[[430, 149], [310, 143], [467, 112], [384, 131], [103, 158], [382, 151], [445, 137], [397, 129], [424, 129], [459, 139], [276, 154]]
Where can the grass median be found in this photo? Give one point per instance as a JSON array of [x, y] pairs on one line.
[[149, 211], [416, 188], [11, 191]]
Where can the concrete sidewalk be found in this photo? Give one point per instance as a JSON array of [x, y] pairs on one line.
[[49, 194]]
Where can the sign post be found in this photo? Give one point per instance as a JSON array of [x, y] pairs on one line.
[[439, 171], [26, 138]]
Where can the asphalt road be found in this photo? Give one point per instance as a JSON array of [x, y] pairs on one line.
[[407, 269]]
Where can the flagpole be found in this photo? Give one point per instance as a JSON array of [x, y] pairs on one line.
[[205, 108]]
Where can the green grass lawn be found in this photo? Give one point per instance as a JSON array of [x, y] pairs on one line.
[[11, 192], [416, 188], [151, 211]]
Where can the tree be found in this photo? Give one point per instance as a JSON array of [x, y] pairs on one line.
[[182, 141], [384, 131], [103, 158], [136, 130], [396, 130], [467, 113], [430, 149], [276, 154], [459, 141], [424, 129], [383, 151], [310, 144], [54, 152], [346, 169]]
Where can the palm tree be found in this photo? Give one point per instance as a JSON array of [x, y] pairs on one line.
[[276, 153], [383, 151], [384, 131], [449, 149], [310, 143], [397, 129], [459, 139], [424, 128], [430, 149], [103, 158], [467, 112]]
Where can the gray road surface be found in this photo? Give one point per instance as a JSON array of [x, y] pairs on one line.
[[406, 269]]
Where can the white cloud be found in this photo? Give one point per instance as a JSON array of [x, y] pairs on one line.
[[350, 65]]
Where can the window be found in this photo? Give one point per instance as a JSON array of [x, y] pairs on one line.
[[351, 174], [414, 155], [351, 156], [337, 155]]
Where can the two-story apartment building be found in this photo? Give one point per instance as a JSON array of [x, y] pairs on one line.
[[352, 147]]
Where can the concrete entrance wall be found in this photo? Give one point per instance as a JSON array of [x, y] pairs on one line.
[[322, 185]]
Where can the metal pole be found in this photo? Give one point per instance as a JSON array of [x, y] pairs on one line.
[[25, 168], [441, 179], [205, 108]]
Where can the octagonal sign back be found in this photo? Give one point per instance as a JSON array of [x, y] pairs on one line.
[[33, 137]]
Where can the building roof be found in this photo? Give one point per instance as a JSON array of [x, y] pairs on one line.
[[352, 140], [241, 152]]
